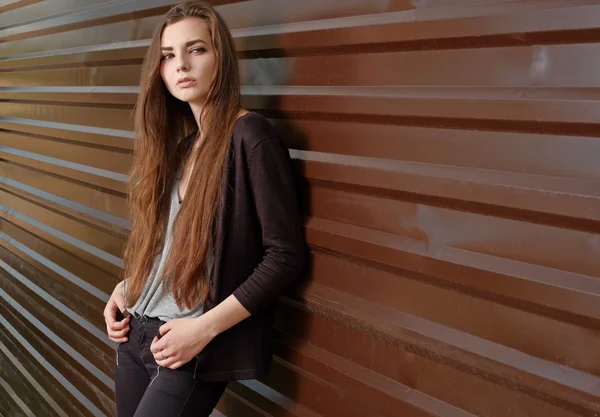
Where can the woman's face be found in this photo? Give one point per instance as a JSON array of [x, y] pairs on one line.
[[188, 60]]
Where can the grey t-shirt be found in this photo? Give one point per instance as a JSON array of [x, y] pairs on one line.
[[152, 302]]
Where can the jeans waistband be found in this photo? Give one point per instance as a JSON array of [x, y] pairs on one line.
[[143, 319]]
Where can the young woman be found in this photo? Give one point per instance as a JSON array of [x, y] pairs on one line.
[[216, 234]]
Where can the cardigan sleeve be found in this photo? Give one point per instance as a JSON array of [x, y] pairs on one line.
[[280, 220]]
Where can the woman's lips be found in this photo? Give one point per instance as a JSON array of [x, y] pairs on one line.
[[186, 83]]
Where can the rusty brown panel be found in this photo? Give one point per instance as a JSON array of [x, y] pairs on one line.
[[88, 116], [24, 358], [432, 228], [76, 192], [447, 149], [558, 336], [37, 10], [81, 176], [130, 30], [563, 156], [116, 228], [406, 106], [98, 352], [425, 233], [107, 239], [506, 29], [74, 59], [529, 23], [11, 5], [113, 160], [384, 396], [532, 198], [508, 67], [71, 133], [123, 75], [396, 348], [120, 99], [92, 17], [52, 234], [238, 16], [9, 404], [112, 225], [73, 371], [41, 252], [233, 405], [533, 288], [64, 290], [11, 373]]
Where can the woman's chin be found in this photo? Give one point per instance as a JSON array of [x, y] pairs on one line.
[[190, 97]]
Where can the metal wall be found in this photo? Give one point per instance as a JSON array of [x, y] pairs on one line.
[[450, 152]]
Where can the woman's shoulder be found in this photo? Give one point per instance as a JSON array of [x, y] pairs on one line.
[[251, 129]]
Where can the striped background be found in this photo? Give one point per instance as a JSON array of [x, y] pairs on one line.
[[450, 160]]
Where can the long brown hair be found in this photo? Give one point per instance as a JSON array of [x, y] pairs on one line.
[[165, 130]]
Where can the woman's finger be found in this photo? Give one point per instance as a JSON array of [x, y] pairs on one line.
[[119, 333], [174, 365], [119, 325], [161, 355], [119, 340]]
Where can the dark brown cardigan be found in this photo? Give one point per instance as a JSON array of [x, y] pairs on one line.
[[259, 248]]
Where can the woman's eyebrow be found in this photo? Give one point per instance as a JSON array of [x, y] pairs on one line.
[[188, 43]]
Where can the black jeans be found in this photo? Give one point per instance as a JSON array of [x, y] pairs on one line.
[[144, 389]]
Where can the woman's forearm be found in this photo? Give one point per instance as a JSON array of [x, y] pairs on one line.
[[224, 316]]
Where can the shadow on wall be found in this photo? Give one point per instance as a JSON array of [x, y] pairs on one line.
[[265, 76]]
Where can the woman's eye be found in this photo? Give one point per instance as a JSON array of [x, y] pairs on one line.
[[167, 56], [201, 50]]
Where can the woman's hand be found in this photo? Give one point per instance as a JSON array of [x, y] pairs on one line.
[[117, 330], [181, 340]]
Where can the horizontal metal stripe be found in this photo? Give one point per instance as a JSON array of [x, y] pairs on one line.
[[582, 94], [79, 49], [67, 238], [31, 380], [371, 18], [72, 353], [365, 238], [56, 268], [15, 397], [458, 297], [468, 175], [71, 127], [45, 364], [278, 398], [364, 377], [387, 317], [506, 192], [41, 12], [99, 334], [74, 89], [71, 165], [437, 227], [68, 203], [430, 24], [103, 11]]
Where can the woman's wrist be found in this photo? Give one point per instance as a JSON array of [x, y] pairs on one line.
[[209, 325]]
